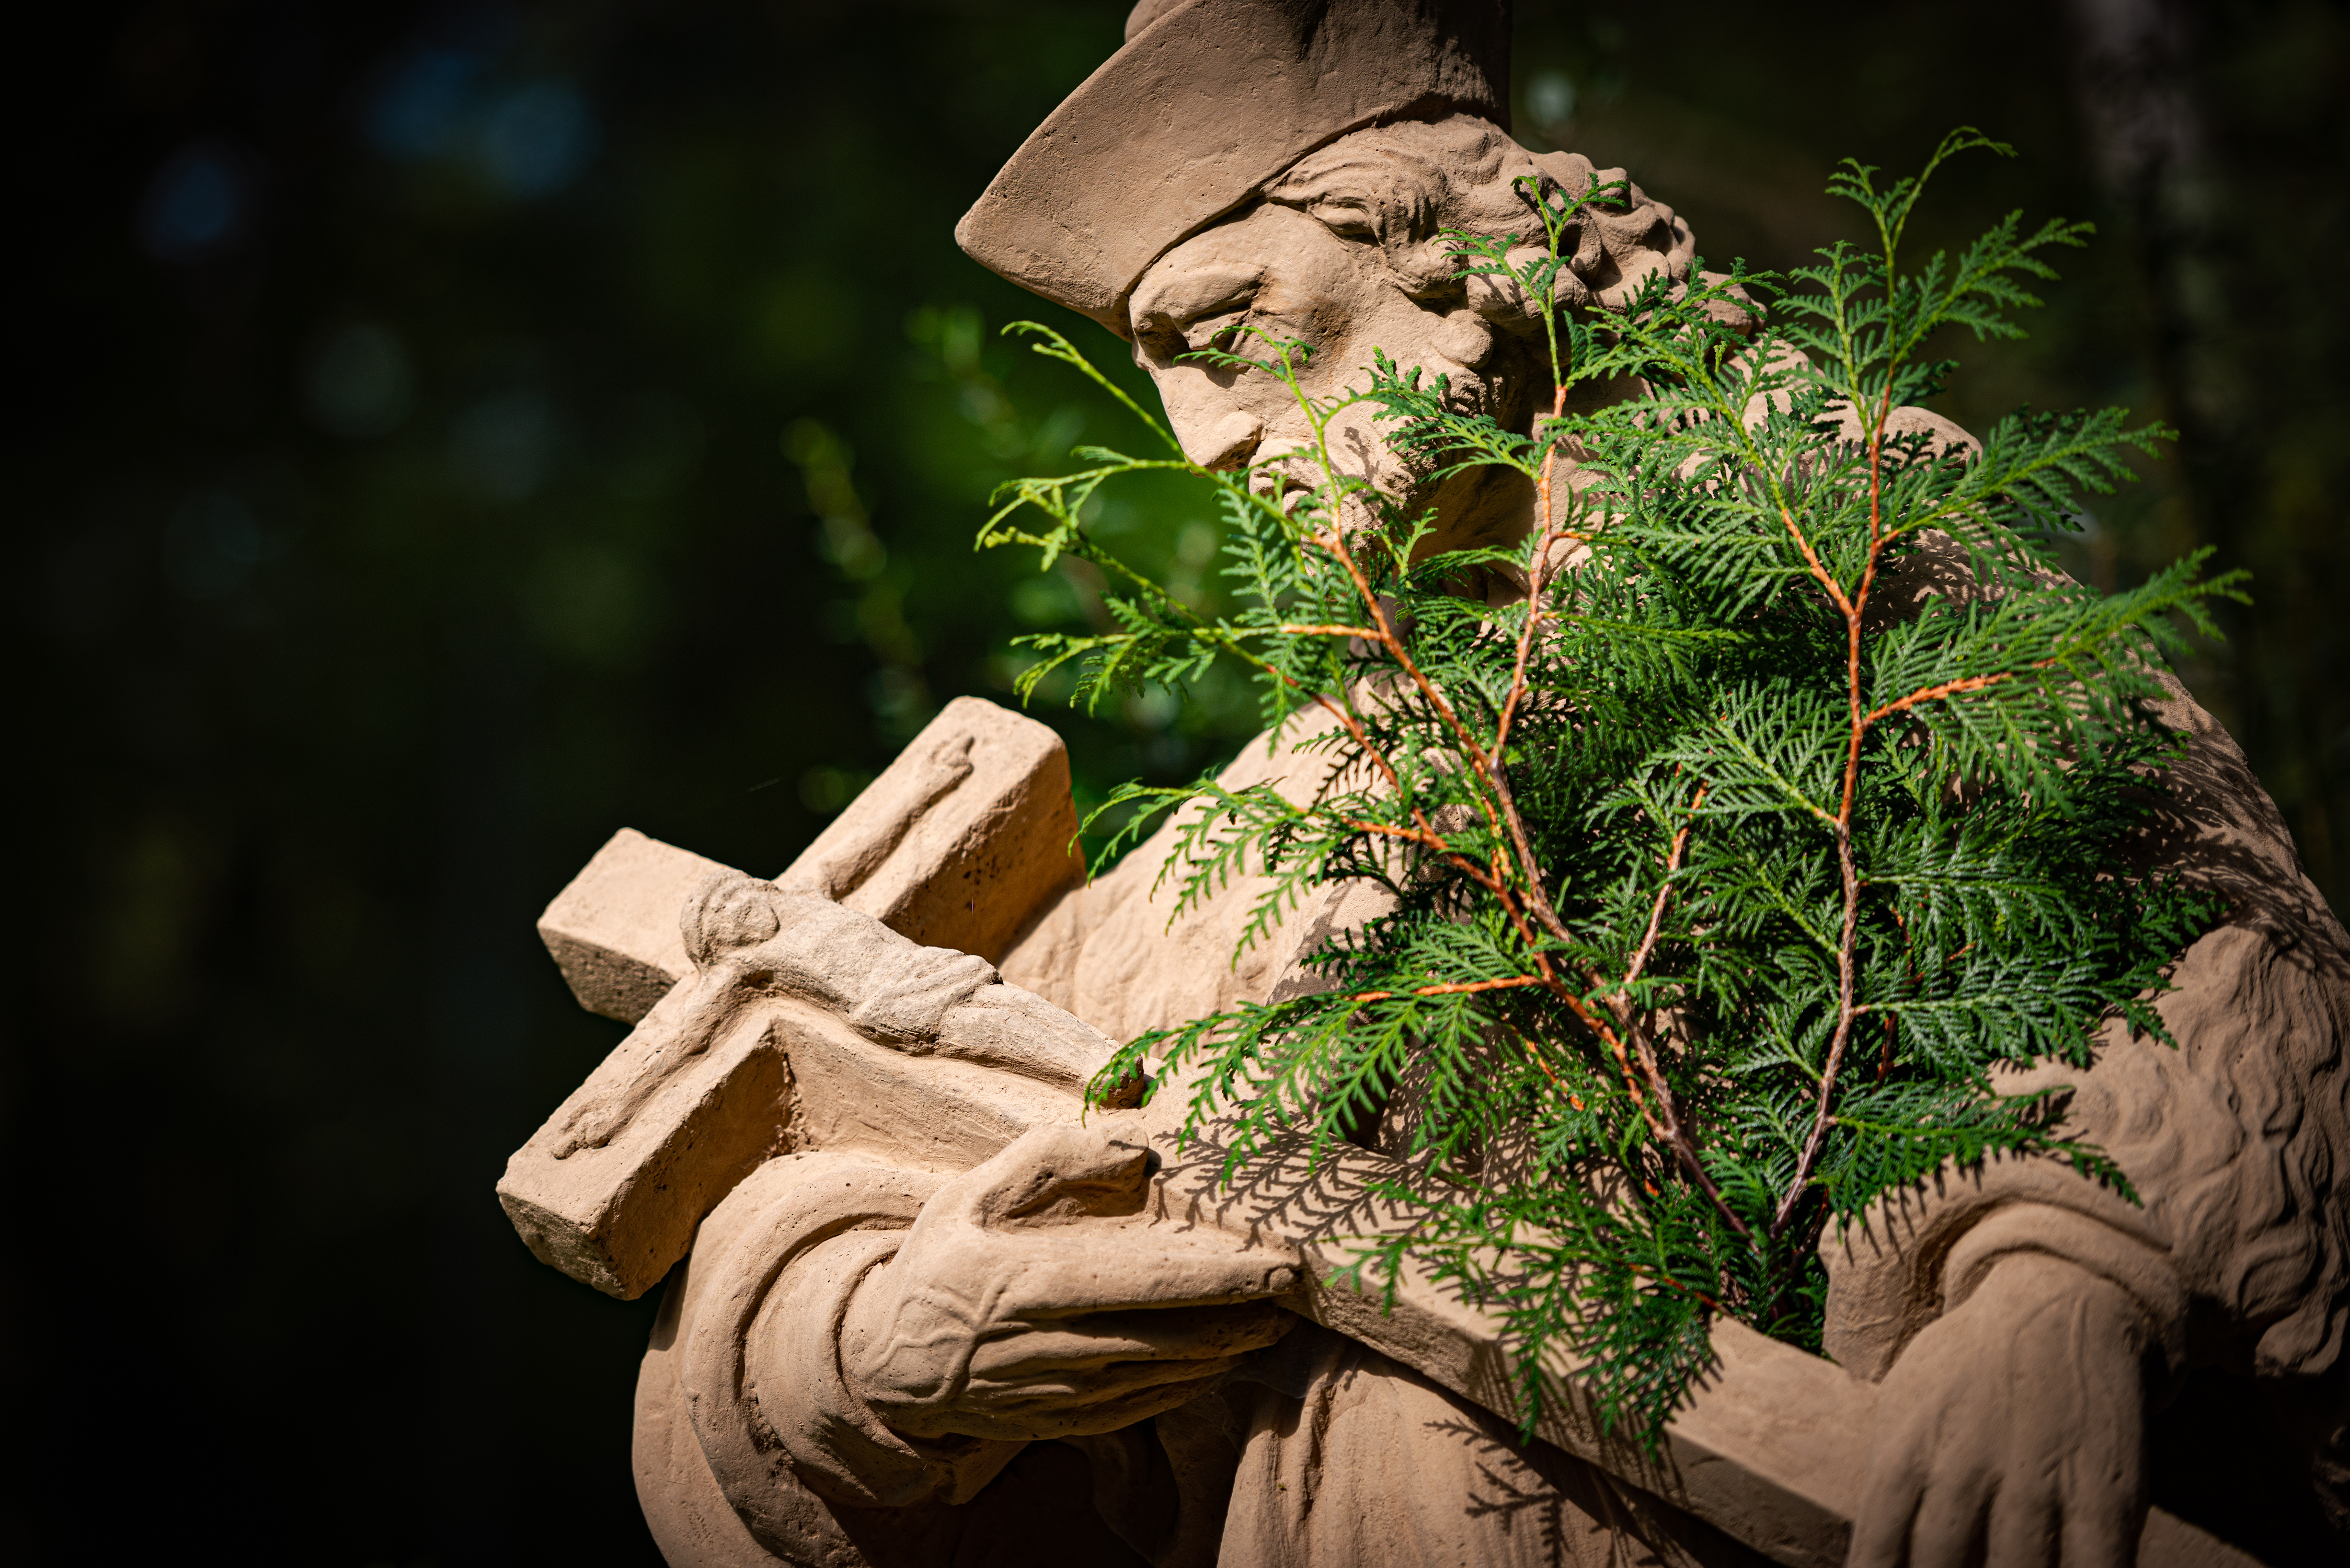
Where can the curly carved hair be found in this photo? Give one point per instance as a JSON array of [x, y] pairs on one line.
[[1402, 185]]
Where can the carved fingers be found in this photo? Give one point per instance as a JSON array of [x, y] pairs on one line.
[[1034, 1298], [2010, 1430], [1048, 1174], [1061, 1213], [1106, 1340], [1053, 1378], [1095, 1372]]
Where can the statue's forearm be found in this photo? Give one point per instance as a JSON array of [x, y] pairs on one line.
[[2232, 1139]]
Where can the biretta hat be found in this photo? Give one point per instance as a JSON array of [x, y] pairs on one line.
[[1209, 101]]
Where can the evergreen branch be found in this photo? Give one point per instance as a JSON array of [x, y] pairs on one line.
[[1055, 346], [1714, 889]]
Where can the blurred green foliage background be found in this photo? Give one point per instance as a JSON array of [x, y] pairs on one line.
[[447, 432]]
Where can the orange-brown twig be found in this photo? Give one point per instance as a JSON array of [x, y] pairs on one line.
[[1459, 988], [1537, 579], [1854, 607], [1948, 689], [1656, 911]]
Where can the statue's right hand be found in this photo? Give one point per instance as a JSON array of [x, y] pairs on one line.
[[1033, 1299], [2011, 1429]]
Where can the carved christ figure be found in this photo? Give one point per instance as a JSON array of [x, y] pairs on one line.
[[900, 1368]]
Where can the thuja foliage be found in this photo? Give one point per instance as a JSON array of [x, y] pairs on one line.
[[1797, 793]]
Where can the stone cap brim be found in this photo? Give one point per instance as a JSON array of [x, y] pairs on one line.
[[1203, 108]]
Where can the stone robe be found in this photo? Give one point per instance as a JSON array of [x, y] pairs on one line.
[[1325, 1454]]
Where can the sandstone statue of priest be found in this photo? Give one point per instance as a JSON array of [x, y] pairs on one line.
[[932, 1358]]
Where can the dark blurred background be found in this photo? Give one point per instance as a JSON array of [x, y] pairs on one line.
[[445, 433]]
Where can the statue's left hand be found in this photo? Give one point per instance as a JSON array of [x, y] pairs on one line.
[[2010, 1430], [1032, 1298]]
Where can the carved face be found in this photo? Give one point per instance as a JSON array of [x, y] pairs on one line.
[[1348, 251], [1293, 274]]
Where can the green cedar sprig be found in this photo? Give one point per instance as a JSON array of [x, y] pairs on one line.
[[1724, 867]]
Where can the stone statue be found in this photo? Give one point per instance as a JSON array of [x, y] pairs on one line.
[[931, 1315]]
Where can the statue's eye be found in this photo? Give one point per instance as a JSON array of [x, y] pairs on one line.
[[1222, 331], [1213, 316], [1185, 309], [1350, 217]]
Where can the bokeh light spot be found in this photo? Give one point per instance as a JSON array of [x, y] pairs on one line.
[[537, 139], [212, 544], [424, 103], [825, 789], [361, 383], [196, 205], [1550, 98], [502, 446], [587, 601]]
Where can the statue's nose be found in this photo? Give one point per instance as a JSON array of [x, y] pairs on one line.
[[1226, 442]]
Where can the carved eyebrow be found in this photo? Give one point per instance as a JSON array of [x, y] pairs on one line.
[[1191, 293]]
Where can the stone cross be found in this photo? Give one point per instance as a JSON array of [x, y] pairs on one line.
[[852, 1005]]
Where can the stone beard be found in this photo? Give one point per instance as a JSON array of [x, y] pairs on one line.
[[937, 1318]]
